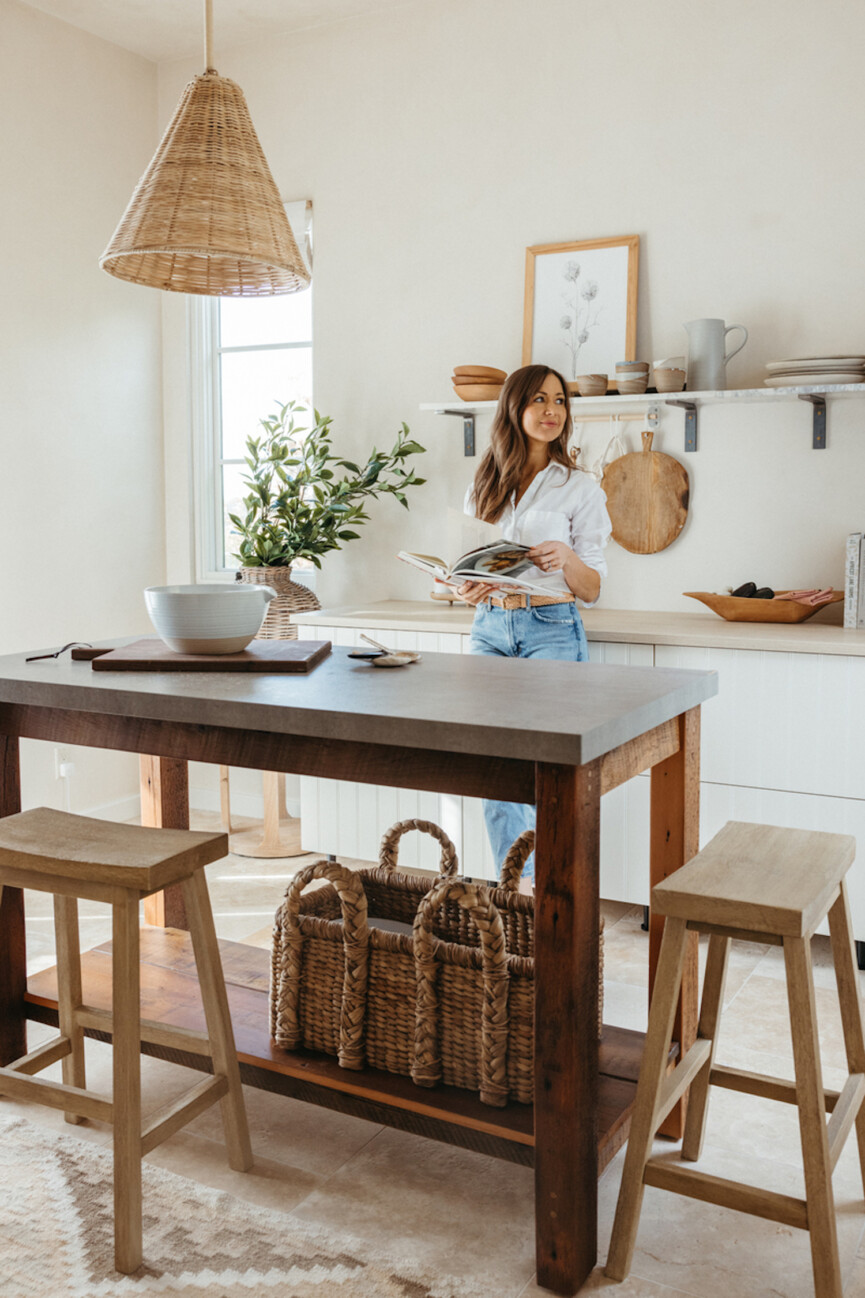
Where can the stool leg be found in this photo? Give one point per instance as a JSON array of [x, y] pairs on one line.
[[847, 978], [662, 1013], [812, 1118], [219, 1029], [126, 1031], [710, 1018], [69, 992]]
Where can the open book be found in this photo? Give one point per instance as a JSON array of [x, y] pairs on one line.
[[501, 563]]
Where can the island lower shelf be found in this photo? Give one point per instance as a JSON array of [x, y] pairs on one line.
[[169, 994]]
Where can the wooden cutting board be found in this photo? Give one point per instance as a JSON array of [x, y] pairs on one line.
[[151, 655], [647, 498]]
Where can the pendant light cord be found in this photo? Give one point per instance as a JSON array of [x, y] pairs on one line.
[[208, 36]]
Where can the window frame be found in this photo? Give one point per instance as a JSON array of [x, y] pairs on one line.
[[208, 461]]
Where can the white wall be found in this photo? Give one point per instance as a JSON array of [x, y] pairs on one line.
[[440, 140], [81, 501]]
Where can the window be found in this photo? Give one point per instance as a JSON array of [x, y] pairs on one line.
[[249, 355]]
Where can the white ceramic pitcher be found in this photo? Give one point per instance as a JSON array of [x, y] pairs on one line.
[[707, 359]]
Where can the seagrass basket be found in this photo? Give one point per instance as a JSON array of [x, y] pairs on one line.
[[443, 993]]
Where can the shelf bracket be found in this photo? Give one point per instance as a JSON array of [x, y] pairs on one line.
[[818, 440], [690, 407], [468, 428]]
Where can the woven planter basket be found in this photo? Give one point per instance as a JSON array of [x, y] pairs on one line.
[[292, 597], [450, 1002]]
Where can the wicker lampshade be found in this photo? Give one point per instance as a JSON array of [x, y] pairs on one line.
[[206, 216]]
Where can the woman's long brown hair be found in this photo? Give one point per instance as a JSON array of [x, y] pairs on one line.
[[498, 473]]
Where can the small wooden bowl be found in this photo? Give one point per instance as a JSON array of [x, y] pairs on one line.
[[478, 391], [736, 609], [592, 385], [479, 372]]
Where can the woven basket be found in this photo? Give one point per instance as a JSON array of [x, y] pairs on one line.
[[451, 1000], [206, 216], [292, 597]]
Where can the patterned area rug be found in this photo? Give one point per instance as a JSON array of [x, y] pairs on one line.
[[57, 1237]]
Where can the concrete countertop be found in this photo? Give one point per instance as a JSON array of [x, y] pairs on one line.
[[821, 634], [541, 711]]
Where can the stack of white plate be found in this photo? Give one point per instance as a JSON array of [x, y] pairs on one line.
[[802, 370]]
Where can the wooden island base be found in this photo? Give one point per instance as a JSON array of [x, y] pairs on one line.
[[169, 993]]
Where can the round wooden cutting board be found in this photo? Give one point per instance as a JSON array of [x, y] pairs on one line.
[[647, 498]]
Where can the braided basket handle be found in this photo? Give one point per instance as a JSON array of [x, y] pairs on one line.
[[426, 1063], [512, 866], [389, 850], [287, 966]]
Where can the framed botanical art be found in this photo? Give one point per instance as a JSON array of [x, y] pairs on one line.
[[581, 305]]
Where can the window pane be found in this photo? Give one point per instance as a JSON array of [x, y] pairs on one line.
[[283, 318], [253, 385]]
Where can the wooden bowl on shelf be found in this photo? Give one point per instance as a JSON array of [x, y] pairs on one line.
[[478, 391], [480, 373], [736, 609]]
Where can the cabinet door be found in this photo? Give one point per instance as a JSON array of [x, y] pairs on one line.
[[794, 722]]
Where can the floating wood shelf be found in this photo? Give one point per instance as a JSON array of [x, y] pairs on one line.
[[814, 394]]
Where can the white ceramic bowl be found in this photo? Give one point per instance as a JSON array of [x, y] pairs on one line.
[[208, 619]]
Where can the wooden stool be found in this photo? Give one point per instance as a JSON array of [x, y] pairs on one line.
[[760, 884], [74, 856]]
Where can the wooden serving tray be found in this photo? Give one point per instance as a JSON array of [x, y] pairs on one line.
[[152, 655]]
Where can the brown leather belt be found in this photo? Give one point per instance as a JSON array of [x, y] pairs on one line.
[[526, 601]]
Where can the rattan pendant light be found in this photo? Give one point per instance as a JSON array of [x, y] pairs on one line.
[[206, 216]]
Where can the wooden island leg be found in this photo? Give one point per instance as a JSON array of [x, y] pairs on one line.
[[13, 951], [674, 839], [165, 805], [567, 914]]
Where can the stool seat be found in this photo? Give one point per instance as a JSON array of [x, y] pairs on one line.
[[759, 878], [58, 843]]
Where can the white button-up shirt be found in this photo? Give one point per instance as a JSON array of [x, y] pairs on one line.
[[558, 506]]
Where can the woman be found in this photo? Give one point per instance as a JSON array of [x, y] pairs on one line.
[[527, 484]]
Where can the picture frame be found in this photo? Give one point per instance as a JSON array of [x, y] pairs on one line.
[[580, 311]]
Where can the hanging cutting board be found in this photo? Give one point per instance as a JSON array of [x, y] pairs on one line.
[[151, 655], [647, 498]]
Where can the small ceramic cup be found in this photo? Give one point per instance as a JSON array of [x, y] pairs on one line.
[[632, 384], [669, 380], [592, 385]]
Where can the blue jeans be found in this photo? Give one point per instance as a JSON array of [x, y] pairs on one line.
[[551, 631]]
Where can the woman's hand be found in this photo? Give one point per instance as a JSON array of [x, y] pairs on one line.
[[555, 556], [551, 556], [475, 592]]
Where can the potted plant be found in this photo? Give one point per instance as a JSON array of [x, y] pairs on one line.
[[304, 501]]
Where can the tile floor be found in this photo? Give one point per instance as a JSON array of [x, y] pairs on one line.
[[435, 1202]]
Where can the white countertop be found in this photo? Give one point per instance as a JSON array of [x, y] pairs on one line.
[[821, 634]]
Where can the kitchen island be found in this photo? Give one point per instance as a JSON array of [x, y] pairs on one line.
[[440, 726]]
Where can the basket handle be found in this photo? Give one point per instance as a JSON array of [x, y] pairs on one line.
[[389, 850], [512, 866], [287, 962], [426, 1062]]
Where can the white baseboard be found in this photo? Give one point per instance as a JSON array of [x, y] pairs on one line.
[[122, 809]]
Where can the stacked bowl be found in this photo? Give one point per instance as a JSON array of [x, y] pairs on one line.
[[632, 377], [478, 382]]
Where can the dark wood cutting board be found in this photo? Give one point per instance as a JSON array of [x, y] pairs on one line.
[[647, 498], [151, 655]]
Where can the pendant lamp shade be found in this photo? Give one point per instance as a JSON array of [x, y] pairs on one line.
[[206, 216]]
